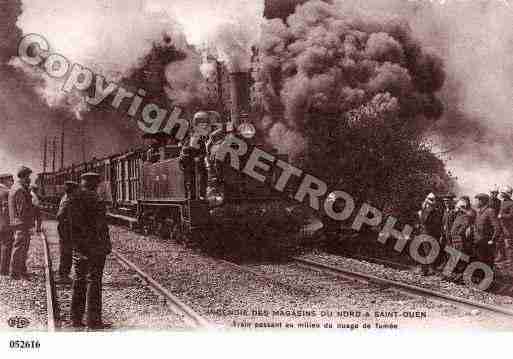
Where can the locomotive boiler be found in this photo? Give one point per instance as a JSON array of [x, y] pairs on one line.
[[179, 190]]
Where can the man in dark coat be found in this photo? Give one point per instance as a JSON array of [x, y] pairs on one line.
[[192, 156], [506, 221], [447, 221], [65, 230], [91, 245], [21, 215], [6, 239], [486, 231], [430, 223], [461, 232], [495, 202]]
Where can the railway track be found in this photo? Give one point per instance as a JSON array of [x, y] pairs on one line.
[[404, 288], [188, 314], [52, 305]]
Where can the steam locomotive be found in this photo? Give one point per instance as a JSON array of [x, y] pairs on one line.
[[165, 190]]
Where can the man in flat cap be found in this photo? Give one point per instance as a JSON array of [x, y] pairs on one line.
[[65, 229], [21, 214], [430, 223], [91, 245], [6, 182], [495, 202], [486, 231], [447, 221], [506, 221]]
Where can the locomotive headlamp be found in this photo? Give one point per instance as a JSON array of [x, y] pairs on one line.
[[215, 197], [247, 130]]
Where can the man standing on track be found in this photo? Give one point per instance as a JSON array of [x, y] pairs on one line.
[[430, 223], [448, 217], [21, 215], [91, 245], [487, 230], [65, 229], [506, 221], [6, 182]]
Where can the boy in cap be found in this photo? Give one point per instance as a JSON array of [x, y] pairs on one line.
[[6, 182], [21, 215], [91, 245]]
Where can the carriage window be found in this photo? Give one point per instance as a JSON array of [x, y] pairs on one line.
[[171, 151]]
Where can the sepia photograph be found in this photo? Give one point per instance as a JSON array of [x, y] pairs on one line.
[[254, 167]]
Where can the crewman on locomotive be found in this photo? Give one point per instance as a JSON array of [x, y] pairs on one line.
[[193, 153], [214, 191]]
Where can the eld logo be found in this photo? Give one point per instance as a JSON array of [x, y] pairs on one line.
[[18, 322]]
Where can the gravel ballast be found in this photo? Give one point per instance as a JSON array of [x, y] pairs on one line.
[[128, 304], [26, 297], [230, 297]]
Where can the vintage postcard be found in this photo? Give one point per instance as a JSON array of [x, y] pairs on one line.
[[255, 166]]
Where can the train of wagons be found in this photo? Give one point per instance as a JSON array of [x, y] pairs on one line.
[[150, 189]]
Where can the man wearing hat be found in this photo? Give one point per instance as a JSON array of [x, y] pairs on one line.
[[91, 245], [495, 202], [6, 182], [486, 230], [21, 215], [194, 151], [447, 222], [506, 221], [430, 223], [65, 230]]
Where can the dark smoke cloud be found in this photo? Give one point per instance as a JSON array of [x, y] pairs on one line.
[[23, 116], [281, 9], [150, 54], [328, 59]]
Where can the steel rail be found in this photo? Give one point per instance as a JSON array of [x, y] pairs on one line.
[[177, 306], [416, 290], [265, 277], [51, 301]]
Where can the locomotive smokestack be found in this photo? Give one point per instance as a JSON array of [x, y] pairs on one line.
[[239, 95]]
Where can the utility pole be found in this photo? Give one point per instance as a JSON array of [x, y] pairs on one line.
[[54, 147], [219, 80], [43, 176], [62, 145], [82, 143], [45, 149]]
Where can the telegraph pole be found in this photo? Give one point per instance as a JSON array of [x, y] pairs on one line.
[[62, 145], [43, 176], [82, 143], [45, 149], [54, 147]]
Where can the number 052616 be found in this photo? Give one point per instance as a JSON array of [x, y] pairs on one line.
[[24, 344]]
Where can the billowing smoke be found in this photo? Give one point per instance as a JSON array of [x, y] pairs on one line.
[[109, 37], [133, 44], [225, 30], [332, 60]]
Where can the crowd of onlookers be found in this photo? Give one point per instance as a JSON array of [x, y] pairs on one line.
[[482, 232], [83, 233]]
